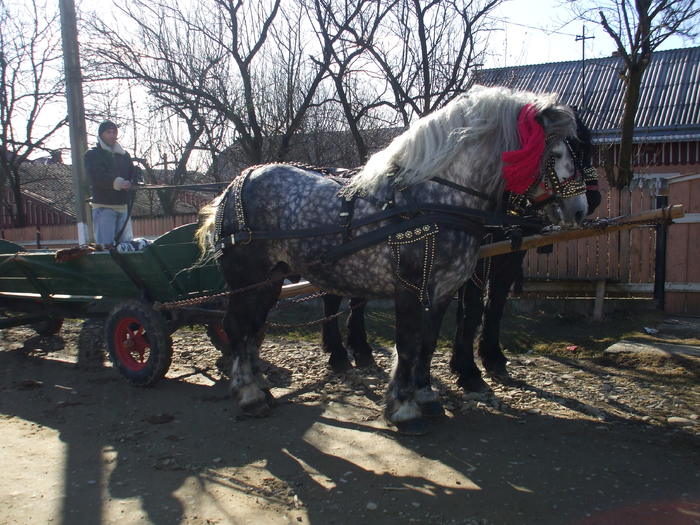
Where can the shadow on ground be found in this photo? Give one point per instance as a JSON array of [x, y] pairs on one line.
[[177, 453]]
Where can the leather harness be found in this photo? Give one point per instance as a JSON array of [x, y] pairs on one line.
[[409, 217]]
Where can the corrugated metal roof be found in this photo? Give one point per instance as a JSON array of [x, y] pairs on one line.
[[669, 105]]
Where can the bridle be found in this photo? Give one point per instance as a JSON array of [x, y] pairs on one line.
[[548, 188]]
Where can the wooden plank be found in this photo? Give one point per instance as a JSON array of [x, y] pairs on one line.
[[599, 300], [677, 253], [648, 242], [583, 259], [693, 255], [619, 224], [597, 248], [635, 238], [572, 259], [624, 238], [692, 304], [613, 244], [675, 303], [561, 264], [679, 242], [694, 196]]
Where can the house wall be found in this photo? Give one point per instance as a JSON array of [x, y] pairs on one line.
[[36, 212]]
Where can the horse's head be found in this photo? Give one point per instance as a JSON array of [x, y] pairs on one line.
[[561, 190], [545, 170]]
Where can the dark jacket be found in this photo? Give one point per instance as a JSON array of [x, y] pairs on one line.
[[102, 168]]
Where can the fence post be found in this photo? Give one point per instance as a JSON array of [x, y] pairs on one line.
[[660, 257]]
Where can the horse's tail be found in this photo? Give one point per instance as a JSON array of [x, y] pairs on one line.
[[205, 231]]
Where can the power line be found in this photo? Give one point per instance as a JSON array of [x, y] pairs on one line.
[[542, 29]]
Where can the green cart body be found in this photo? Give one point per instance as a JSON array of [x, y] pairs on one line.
[[128, 290]]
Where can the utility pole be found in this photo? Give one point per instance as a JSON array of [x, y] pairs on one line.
[[76, 118], [582, 37]]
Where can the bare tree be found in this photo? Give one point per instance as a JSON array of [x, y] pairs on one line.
[[638, 28], [427, 49], [218, 58], [31, 83], [340, 24]]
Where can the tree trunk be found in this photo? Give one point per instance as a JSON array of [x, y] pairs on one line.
[[624, 173], [20, 215]]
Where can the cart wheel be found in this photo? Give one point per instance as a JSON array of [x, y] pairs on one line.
[[220, 340], [48, 326], [138, 343]]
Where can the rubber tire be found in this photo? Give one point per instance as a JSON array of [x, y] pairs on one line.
[[49, 326], [151, 333]]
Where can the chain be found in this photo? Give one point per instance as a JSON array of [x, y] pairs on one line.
[[316, 321], [172, 305], [601, 224]]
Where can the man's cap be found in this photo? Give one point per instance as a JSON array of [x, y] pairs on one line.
[[107, 124]]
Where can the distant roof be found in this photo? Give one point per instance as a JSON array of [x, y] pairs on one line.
[[669, 106]]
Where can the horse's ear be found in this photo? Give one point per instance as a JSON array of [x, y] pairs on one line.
[[558, 120]]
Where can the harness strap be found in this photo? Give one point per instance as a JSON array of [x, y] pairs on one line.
[[347, 210], [447, 213], [465, 189], [380, 234]]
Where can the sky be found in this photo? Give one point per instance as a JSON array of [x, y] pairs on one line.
[[526, 32], [541, 31]]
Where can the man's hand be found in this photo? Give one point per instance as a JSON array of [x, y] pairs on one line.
[[121, 184]]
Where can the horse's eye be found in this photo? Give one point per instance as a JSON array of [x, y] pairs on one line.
[[558, 156]]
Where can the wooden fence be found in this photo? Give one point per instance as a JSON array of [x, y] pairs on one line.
[[683, 253], [63, 236], [626, 257]]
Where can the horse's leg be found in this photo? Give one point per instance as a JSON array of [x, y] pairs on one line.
[[244, 325], [469, 312], [330, 335], [357, 333], [428, 399], [401, 407], [504, 270]]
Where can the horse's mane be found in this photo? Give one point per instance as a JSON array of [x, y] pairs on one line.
[[483, 117]]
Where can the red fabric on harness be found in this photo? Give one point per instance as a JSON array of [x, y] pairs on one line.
[[520, 167]]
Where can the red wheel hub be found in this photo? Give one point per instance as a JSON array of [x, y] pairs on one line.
[[131, 344]]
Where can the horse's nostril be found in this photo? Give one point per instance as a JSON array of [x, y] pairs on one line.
[[579, 216]]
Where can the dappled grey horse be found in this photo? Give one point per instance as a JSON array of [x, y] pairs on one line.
[[418, 209], [482, 299]]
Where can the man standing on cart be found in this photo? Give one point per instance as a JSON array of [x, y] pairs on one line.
[[112, 175]]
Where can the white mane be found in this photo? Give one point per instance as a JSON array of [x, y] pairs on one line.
[[484, 116]]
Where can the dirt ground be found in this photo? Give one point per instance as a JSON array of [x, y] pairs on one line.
[[573, 441]]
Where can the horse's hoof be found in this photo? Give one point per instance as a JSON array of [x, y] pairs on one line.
[[339, 365], [432, 409], [500, 375], [473, 384], [258, 409], [223, 365], [364, 361], [412, 427], [269, 398]]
